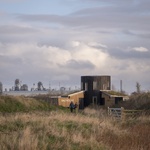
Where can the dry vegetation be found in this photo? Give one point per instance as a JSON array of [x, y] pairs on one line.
[[91, 129], [139, 101], [58, 130]]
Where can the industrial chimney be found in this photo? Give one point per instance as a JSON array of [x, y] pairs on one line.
[[1, 88]]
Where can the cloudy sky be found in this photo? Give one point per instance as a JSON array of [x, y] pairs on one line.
[[59, 41]]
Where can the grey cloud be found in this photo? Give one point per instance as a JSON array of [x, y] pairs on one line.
[[114, 18], [11, 29], [78, 64], [144, 35], [144, 5], [106, 17], [128, 32], [18, 34], [10, 67], [101, 47], [45, 17], [54, 19], [12, 61], [138, 3], [105, 32], [131, 33], [52, 42], [103, 1], [126, 54]]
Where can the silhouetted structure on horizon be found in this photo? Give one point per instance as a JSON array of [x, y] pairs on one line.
[[1, 88]]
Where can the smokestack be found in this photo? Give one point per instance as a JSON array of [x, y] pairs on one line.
[[1, 88], [121, 86]]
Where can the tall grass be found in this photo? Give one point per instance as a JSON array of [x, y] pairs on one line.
[[58, 130], [90, 129]]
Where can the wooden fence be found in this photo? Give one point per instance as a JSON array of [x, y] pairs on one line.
[[122, 113], [115, 112]]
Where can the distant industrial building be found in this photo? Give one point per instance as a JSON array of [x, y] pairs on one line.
[[40, 86], [17, 85], [24, 87]]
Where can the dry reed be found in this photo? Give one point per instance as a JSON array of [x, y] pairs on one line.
[[92, 129]]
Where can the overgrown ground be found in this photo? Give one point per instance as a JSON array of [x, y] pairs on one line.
[[55, 129]]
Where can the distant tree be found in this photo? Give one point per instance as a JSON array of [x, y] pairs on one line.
[[138, 87]]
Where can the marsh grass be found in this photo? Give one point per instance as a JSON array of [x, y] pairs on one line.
[[67, 131], [56, 129]]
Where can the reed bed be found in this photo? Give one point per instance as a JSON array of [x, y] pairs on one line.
[[91, 129]]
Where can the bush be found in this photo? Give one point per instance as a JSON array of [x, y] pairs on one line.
[[139, 101]]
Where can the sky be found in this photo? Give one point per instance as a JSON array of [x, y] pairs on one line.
[[57, 42]]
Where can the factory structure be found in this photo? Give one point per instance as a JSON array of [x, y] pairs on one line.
[[18, 86], [24, 87]]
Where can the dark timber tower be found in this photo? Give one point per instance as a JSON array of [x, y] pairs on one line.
[[92, 86]]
